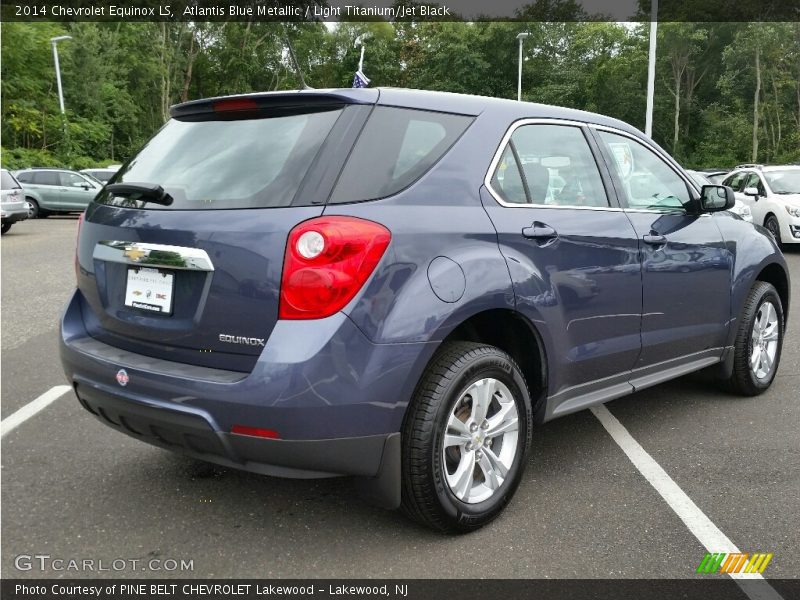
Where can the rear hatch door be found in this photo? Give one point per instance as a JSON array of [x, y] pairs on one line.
[[192, 273]]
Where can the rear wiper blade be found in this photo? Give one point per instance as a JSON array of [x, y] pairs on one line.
[[147, 192]]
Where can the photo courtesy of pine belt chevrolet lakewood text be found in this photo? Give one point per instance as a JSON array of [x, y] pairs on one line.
[[399, 285]]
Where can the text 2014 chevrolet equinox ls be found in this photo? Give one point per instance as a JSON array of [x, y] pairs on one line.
[[398, 285]]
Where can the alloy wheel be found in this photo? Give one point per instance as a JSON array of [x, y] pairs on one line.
[[764, 340], [480, 442]]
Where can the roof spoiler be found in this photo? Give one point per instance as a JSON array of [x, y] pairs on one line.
[[253, 105]]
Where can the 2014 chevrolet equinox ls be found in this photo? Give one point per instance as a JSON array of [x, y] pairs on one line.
[[398, 285]]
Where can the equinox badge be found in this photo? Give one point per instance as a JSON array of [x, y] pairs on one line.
[[237, 339]]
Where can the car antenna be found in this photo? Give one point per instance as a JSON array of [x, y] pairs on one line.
[[303, 85]]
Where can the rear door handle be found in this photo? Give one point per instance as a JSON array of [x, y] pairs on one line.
[[654, 239], [539, 231]]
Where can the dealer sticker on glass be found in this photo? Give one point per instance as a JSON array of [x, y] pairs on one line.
[[149, 289]]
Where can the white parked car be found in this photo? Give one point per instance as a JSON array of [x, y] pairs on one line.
[[102, 174], [13, 207], [773, 195], [740, 208]]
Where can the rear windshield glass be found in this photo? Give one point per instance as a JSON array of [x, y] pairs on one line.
[[396, 148], [8, 182], [247, 163]]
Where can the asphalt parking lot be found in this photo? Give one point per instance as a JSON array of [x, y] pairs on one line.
[[74, 489]]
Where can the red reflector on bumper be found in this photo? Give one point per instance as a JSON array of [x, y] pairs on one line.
[[255, 432]]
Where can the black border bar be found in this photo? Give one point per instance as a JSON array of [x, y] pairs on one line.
[[700, 588], [399, 10]]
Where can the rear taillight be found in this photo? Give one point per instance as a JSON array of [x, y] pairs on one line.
[[327, 261], [78, 241]]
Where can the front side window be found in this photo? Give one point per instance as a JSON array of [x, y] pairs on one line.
[[71, 180], [755, 181], [557, 168], [736, 181], [647, 181]]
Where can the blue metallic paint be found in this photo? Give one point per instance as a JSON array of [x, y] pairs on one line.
[[354, 373]]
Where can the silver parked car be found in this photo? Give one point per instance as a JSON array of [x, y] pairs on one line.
[[12, 201], [50, 191]]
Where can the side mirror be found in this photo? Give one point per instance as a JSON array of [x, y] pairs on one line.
[[751, 191], [716, 198]]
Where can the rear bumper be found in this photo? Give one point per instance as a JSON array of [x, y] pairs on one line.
[[336, 400], [9, 216], [195, 433]]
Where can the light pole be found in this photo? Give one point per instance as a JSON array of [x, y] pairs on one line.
[[651, 69], [520, 37], [55, 41]]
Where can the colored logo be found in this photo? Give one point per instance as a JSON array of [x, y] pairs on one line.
[[135, 254], [122, 377], [723, 562], [136, 293], [161, 296]]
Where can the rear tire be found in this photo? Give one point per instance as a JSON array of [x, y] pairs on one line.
[[466, 438], [759, 341], [5, 228]]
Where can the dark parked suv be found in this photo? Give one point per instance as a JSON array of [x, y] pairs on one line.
[[398, 285]]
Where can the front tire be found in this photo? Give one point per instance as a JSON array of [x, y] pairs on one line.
[[466, 438], [5, 227], [759, 341], [34, 212], [774, 228]]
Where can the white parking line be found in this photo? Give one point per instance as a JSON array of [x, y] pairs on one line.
[[16, 419], [752, 584]]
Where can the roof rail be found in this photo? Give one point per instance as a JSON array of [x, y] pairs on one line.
[[749, 166]]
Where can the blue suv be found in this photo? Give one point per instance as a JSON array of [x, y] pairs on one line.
[[398, 285]]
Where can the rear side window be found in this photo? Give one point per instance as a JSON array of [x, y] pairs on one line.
[[45, 178], [397, 146], [507, 180], [240, 163], [8, 181], [556, 167]]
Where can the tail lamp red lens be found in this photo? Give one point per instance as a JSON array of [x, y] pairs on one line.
[[234, 104], [255, 432], [327, 261]]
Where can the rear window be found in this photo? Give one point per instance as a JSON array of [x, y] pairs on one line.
[[8, 181], [243, 163], [396, 148]]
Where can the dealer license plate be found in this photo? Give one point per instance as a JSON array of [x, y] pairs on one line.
[[150, 289]]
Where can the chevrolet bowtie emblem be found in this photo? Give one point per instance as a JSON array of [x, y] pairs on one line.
[[135, 254]]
